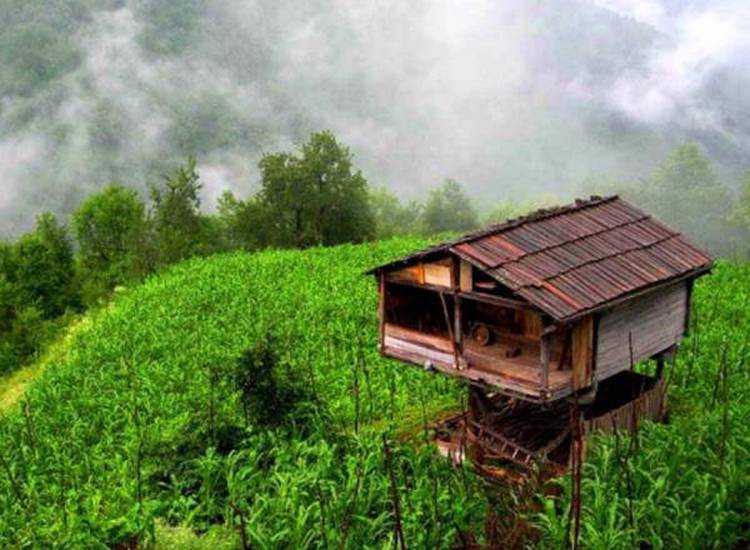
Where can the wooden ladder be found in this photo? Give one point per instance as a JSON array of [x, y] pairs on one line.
[[501, 446]]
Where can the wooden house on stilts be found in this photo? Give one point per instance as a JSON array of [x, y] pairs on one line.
[[541, 311]]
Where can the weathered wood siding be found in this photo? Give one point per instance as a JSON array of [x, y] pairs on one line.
[[437, 273], [467, 283], [650, 405], [413, 274], [582, 352], [655, 320]]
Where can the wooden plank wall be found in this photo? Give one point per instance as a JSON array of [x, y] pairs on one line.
[[437, 273], [583, 352], [648, 406], [530, 323], [467, 283], [656, 322]]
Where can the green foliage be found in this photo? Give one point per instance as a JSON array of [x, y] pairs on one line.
[[448, 209], [110, 230], [44, 268], [266, 394], [31, 56], [314, 197], [36, 285], [686, 192], [246, 224], [175, 215], [141, 420], [391, 217], [140, 396]]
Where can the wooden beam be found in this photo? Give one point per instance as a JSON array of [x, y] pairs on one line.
[[381, 310], [595, 347], [466, 279], [457, 318], [457, 329], [544, 353], [450, 330], [497, 301], [425, 286]]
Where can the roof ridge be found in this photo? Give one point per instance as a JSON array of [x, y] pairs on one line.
[[511, 223], [534, 216]]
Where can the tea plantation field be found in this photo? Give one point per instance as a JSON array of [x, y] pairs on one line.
[[140, 425]]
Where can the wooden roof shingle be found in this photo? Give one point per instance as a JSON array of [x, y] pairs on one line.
[[578, 258]]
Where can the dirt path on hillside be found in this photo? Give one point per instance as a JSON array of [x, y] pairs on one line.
[[14, 384]]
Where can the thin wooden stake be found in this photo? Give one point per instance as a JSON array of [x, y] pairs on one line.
[[242, 528], [574, 517], [394, 495], [322, 504], [352, 506]]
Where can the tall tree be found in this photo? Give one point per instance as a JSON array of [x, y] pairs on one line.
[[741, 217], [44, 267], [314, 196], [448, 209], [686, 193], [110, 227], [245, 223], [391, 216], [175, 214]]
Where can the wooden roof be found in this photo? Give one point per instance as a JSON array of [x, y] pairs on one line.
[[575, 259]]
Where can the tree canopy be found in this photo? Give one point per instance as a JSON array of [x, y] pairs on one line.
[[110, 230], [391, 217], [315, 196], [448, 208], [175, 214]]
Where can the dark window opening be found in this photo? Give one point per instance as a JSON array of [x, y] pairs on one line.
[[418, 309]]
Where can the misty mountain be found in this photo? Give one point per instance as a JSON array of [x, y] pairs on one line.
[[511, 98]]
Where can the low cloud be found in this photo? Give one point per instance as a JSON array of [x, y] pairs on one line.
[[511, 98]]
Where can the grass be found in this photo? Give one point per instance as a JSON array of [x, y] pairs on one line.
[[140, 420], [14, 384], [169, 537], [135, 431]]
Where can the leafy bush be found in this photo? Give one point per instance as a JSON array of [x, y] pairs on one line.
[[266, 394]]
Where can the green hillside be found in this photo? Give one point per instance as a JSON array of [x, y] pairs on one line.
[[141, 421]]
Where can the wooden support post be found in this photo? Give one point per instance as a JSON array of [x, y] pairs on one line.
[[457, 322], [381, 311], [544, 358], [688, 306], [457, 330], [449, 326], [659, 366]]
